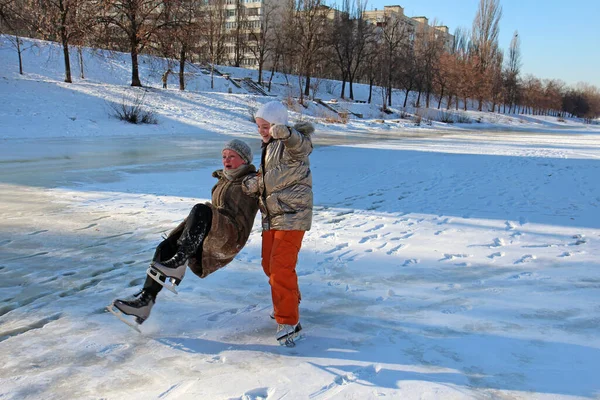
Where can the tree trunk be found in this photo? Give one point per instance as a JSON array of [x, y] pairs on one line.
[[65, 42], [307, 85], [133, 43], [351, 88], [80, 55], [406, 97], [300, 86], [182, 60], [67, 62], [260, 71], [271, 77], [135, 74], [343, 92], [441, 97], [370, 90], [20, 55]]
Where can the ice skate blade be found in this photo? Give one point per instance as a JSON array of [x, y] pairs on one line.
[[117, 313], [168, 283], [291, 341]]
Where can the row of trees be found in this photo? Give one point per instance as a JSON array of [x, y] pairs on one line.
[[312, 41]]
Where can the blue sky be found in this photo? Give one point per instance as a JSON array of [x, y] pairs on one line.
[[558, 38]]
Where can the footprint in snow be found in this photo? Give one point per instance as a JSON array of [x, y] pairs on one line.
[[498, 242], [375, 228], [580, 239], [496, 255], [525, 259], [411, 261], [337, 248], [368, 238], [258, 394], [396, 249], [450, 257], [523, 275], [510, 225]]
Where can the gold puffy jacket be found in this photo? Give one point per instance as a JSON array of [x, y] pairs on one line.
[[284, 181]]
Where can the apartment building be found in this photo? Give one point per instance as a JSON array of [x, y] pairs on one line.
[[414, 24], [244, 17]]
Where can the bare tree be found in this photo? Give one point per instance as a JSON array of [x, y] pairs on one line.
[[65, 20], [181, 20], [308, 38], [486, 28], [497, 81], [213, 31], [139, 20], [349, 36], [394, 33], [263, 41], [512, 72], [17, 21]]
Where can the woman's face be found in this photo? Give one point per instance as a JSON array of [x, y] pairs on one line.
[[263, 129], [231, 159]]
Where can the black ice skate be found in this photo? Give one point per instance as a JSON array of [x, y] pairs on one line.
[[286, 334], [138, 307], [169, 273]]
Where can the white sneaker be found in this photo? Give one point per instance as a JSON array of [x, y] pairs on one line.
[[286, 334], [272, 315]]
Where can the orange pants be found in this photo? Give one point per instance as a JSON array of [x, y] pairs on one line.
[[279, 257]]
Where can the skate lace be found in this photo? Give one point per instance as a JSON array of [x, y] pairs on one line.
[[141, 297]]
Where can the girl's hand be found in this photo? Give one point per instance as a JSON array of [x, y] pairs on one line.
[[280, 132]]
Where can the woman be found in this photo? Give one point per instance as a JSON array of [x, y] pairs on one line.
[[207, 240], [284, 187]]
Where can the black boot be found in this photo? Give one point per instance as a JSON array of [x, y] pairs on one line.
[[196, 228], [179, 259], [138, 306]]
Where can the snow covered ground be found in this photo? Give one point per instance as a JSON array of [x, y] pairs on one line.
[[443, 263]]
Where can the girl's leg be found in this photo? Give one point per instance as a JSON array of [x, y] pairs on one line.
[[283, 257], [267, 244]]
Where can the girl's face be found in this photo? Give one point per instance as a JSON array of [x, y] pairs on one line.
[[231, 159], [263, 129]]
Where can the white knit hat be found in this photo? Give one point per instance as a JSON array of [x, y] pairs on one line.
[[241, 148], [273, 112]]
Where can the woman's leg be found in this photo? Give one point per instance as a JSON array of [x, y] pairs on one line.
[[196, 228]]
